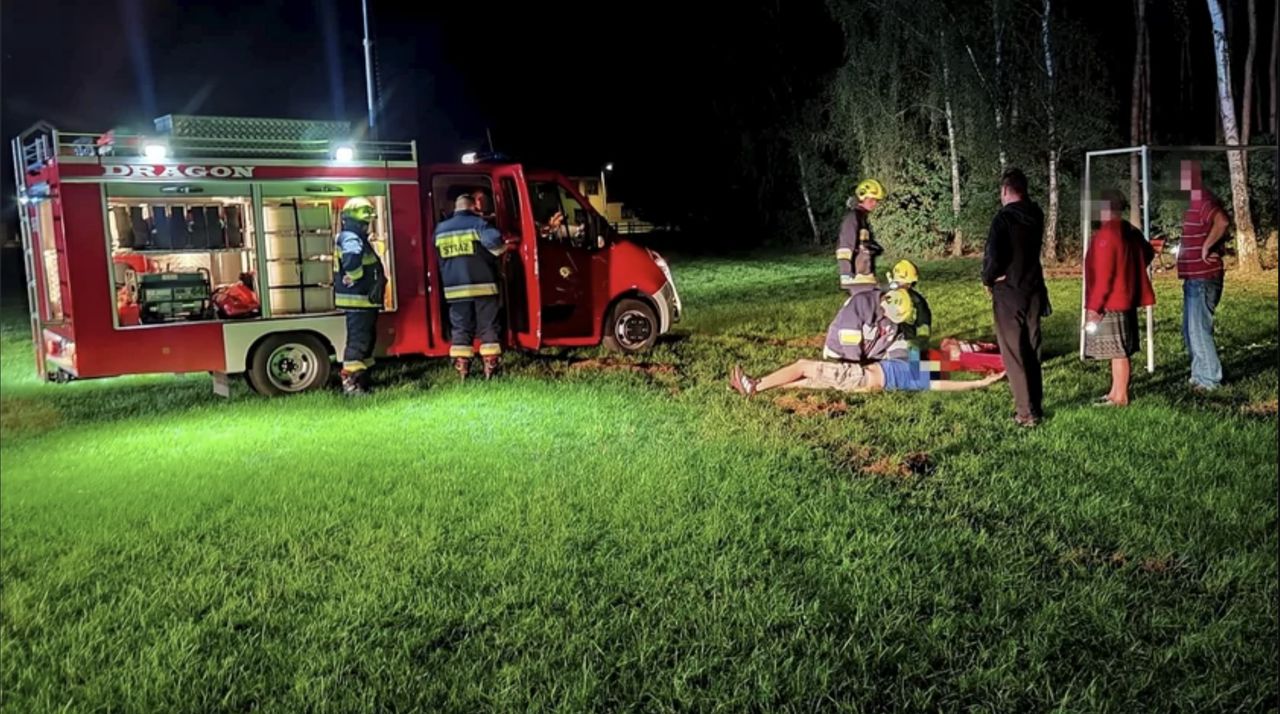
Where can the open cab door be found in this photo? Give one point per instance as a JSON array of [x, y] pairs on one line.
[[522, 296]]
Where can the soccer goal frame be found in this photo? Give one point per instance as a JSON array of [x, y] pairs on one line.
[[1086, 216]]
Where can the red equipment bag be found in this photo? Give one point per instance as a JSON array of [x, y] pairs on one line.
[[236, 300]]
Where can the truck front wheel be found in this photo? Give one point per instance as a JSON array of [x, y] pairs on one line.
[[632, 327], [289, 363]]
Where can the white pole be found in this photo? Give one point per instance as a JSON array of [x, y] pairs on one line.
[[1084, 243], [368, 72], [1146, 231]]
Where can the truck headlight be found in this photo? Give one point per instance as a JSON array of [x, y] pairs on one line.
[[666, 271]]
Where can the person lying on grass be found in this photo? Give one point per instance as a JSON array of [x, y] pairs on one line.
[[885, 376], [867, 353]]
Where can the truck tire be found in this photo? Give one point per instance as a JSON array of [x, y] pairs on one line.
[[288, 363], [632, 327]]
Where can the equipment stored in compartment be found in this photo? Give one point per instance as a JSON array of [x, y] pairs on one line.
[[165, 297]]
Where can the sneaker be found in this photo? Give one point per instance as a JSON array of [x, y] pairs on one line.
[[740, 382], [463, 366], [1027, 422]]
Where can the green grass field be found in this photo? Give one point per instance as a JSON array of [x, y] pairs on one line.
[[599, 534]]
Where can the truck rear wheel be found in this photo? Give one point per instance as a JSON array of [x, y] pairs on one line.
[[632, 327], [289, 363]]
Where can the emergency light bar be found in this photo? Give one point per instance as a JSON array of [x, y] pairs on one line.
[[475, 157]]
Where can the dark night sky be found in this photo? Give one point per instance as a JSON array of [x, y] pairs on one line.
[[562, 84], [566, 84]]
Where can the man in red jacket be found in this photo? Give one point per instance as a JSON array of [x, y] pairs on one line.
[[1115, 286]]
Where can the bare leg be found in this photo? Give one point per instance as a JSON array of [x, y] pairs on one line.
[[793, 372], [1120, 369]]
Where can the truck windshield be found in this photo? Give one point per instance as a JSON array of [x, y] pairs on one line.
[[561, 217]]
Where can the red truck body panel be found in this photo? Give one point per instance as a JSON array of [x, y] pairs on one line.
[[95, 337]]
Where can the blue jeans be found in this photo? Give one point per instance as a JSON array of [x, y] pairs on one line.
[[1199, 301]]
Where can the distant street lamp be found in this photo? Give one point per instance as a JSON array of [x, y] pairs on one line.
[[604, 187]]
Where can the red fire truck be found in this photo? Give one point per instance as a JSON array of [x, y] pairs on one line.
[[208, 247]]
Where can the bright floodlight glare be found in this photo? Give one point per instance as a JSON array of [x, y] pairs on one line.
[[469, 157], [155, 152], [345, 153], [608, 166]]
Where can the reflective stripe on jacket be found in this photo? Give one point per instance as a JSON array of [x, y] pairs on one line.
[[467, 247], [355, 260]]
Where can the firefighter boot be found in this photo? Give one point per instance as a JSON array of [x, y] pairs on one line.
[[491, 365], [463, 365]]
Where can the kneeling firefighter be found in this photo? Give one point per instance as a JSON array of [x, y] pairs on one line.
[[359, 284], [468, 248]]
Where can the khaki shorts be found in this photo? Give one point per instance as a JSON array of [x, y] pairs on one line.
[[844, 376]]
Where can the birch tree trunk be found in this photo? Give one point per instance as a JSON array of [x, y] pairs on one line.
[[1148, 137], [1051, 221], [1246, 240], [1275, 41], [997, 27], [808, 205], [957, 240], [1246, 118], [1135, 112]]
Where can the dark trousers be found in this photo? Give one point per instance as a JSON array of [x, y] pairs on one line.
[[1017, 317], [471, 318], [361, 333]]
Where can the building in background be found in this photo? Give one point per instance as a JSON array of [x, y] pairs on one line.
[[622, 218]]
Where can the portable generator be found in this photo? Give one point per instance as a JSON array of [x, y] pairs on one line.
[[165, 297]]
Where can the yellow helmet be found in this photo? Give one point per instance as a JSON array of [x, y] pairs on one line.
[[904, 273], [898, 306], [869, 188], [359, 209]]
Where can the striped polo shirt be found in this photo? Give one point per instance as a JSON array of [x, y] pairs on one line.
[[1196, 224]]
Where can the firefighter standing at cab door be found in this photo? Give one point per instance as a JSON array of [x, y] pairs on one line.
[[359, 284], [468, 248], [857, 248]]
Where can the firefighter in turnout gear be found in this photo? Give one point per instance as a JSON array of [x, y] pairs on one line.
[[868, 327], [468, 248], [359, 285], [857, 248], [906, 276]]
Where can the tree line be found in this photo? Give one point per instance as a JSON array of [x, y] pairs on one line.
[[936, 99]]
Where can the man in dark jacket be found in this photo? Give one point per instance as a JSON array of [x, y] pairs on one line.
[[1014, 279]]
